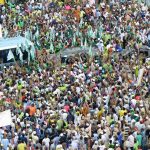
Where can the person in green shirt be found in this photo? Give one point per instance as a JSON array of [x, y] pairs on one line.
[[139, 139], [60, 124], [19, 85], [136, 144]]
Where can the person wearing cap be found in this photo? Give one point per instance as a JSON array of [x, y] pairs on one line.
[[35, 138]]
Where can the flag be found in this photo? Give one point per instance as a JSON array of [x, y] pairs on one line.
[[37, 33], [52, 34], [27, 35], [62, 35], [100, 31], [5, 118], [32, 52], [90, 32], [30, 33], [85, 43], [5, 33], [74, 40], [140, 76], [47, 35], [51, 48], [20, 56], [25, 46], [77, 32], [90, 51], [93, 34], [19, 52], [81, 22], [10, 55]]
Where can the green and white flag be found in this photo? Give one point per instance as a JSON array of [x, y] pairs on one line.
[[100, 31], [32, 52], [62, 35], [90, 32], [51, 48], [38, 43], [10, 55], [85, 43], [20, 55], [81, 22], [37, 33], [90, 51], [47, 36], [77, 32], [74, 40], [19, 52], [30, 33], [26, 46], [5, 33], [81, 41], [27, 34]]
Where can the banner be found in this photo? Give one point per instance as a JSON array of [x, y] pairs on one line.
[[2, 2], [140, 76], [5, 118]]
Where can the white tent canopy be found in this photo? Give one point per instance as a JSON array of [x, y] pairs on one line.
[[10, 43]]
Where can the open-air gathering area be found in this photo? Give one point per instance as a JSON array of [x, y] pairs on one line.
[[74, 74]]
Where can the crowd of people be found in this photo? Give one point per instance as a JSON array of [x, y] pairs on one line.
[[57, 25], [89, 103]]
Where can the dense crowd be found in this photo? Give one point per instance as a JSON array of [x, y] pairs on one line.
[[56, 25], [90, 103]]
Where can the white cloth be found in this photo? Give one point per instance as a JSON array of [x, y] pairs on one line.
[[74, 144], [131, 141], [46, 141]]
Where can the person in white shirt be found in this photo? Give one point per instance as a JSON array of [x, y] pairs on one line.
[[115, 116], [46, 141], [95, 146], [130, 141], [100, 46], [75, 144], [34, 137], [64, 115]]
